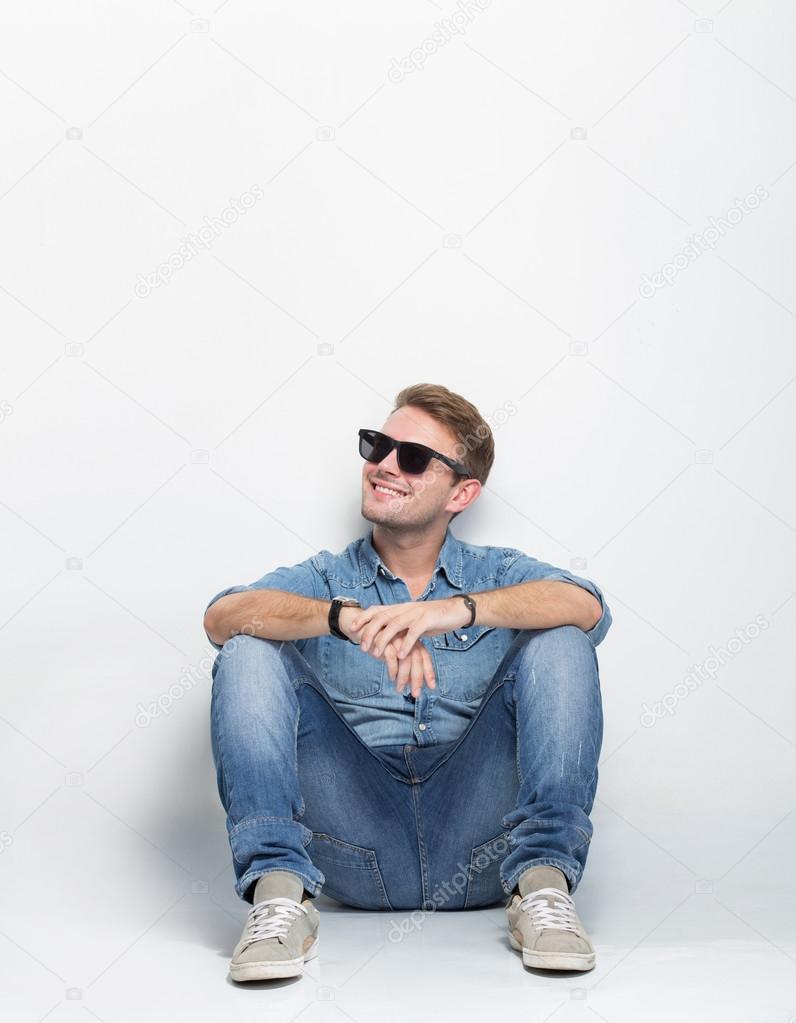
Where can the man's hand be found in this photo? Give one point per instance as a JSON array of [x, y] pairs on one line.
[[379, 624], [415, 667]]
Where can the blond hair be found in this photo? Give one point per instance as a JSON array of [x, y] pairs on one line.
[[475, 446]]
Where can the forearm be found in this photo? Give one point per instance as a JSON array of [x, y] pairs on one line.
[[269, 614], [540, 604]]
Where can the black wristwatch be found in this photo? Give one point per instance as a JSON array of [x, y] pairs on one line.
[[471, 604], [334, 615]]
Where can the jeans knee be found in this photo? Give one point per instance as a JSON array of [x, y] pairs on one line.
[[560, 636], [245, 656], [246, 646], [562, 647], [245, 640]]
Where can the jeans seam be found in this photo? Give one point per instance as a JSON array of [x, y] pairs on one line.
[[302, 807], [372, 865], [504, 836], [457, 742], [346, 845], [517, 751], [249, 822], [227, 781], [542, 823]]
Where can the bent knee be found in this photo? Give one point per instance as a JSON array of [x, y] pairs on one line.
[[244, 645], [559, 664], [249, 656], [562, 643], [250, 672]]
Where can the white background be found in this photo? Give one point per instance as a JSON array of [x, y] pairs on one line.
[[485, 222]]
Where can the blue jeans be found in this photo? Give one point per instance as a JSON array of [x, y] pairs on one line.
[[447, 826]]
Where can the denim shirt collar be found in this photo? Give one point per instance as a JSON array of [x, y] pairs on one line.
[[449, 559]]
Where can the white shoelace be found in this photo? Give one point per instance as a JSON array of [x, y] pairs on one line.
[[560, 916], [276, 925]]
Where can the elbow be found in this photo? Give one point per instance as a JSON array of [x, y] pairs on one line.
[[212, 627], [592, 612], [230, 615]]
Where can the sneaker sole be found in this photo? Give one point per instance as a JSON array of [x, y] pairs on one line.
[[265, 970], [554, 960]]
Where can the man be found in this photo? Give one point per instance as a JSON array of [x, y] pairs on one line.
[[415, 722]]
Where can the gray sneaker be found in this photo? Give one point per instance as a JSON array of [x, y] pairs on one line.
[[280, 935], [544, 926]]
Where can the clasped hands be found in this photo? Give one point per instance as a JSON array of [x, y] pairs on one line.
[[391, 633]]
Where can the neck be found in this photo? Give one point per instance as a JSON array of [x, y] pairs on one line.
[[410, 555]]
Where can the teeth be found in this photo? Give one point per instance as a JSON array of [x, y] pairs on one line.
[[385, 490]]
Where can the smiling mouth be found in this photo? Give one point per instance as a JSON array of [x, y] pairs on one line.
[[381, 488]]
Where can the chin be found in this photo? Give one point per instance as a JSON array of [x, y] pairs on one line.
[[375, 514]]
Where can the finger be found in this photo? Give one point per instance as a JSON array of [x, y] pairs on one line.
[[373, 632], [404, 667], [362, 617], [389, 631], [409, 640], [368, 635], [416, 672], [391, 657], [428, 668]]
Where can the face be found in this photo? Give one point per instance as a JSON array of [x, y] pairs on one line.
[[422, 500]]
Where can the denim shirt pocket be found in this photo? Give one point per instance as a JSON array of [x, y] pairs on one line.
[[348, 671], [465, 662]]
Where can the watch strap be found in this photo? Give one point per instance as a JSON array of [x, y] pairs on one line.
[[471, 604], [334, 618]]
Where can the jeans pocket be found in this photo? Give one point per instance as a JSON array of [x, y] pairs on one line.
[[483, 885], [352, 872]]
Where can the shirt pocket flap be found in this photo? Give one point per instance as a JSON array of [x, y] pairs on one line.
[[465, 662], [461, 639]]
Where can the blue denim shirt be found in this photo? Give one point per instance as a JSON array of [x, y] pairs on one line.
[[465, 660]]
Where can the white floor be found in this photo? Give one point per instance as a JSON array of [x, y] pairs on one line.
[[159, 951]]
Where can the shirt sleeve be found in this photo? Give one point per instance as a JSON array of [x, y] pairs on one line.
[[521, 568], [306, 579]]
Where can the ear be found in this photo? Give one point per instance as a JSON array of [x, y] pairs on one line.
[[466, 493]]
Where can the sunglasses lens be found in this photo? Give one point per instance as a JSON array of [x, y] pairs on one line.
[[413, 458], [373, 446]]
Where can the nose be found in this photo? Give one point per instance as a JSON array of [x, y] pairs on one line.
[[390, 463]]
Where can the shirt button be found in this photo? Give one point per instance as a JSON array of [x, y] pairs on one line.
[[422, 727], [464, 637]]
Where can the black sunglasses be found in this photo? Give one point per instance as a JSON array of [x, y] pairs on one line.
[[412, 458]]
